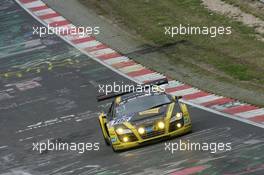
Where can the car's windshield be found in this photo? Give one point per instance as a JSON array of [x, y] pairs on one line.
[[141, 104]]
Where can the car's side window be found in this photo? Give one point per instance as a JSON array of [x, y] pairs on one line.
[[110, 112], [113, 110]]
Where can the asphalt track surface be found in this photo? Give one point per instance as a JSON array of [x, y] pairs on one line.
[[48, 91]]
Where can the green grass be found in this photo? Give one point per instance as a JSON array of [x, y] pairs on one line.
[[239, 55]]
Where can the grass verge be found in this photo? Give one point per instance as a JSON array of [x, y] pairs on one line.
[[237, 57]]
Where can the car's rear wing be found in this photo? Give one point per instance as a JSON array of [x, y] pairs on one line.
[[126, 91]]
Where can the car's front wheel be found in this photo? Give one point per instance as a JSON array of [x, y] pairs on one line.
[[113, 148], [105, 139]]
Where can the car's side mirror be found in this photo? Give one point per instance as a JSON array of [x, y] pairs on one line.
[[103, 116], [178, 97]]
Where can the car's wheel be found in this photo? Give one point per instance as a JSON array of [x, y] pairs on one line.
[[105, 139], [113, 148]]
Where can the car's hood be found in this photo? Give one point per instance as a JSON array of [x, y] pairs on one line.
[[141, 116]]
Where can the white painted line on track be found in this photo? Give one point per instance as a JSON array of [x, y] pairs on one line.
[[55, 19], [34, 4], [152, 76], [185, 92], [44, 12], [102, 52], [132, 68], [205, 99], [116, 60], [251, 113]]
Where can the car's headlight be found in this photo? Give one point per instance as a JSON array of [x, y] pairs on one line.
[[125, 139], [179, 125], [161, 125], [177, 116], [141, 130], [121, 131]]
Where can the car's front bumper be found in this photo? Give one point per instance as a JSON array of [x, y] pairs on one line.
[[123, 146]]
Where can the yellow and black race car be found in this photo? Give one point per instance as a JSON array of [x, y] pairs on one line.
[[138, 118]]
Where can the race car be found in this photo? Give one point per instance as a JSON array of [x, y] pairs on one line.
[[139, 118]]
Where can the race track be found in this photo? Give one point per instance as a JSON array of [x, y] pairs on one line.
[[48, 91]]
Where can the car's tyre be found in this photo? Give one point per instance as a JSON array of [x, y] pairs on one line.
[[105, 139], [113, 148]]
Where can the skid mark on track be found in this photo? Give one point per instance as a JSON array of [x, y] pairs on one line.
[[17, 172], [63, 167], [73, 117], [3, 147], [16, 105], [26, 84], [63, 104], [192, 170], [5, 96], [37, 69]]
